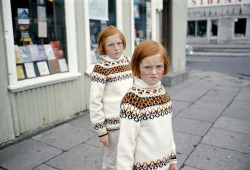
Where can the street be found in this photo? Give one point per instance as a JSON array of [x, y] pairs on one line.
[[237, 66]]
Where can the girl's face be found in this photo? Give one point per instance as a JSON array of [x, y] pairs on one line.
[[151, 69], [114, 46]]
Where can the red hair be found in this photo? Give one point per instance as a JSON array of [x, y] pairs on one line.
[[145, 49], [104, 34]]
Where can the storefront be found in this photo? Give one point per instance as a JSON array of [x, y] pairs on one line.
[[48, 50], [222, 21]]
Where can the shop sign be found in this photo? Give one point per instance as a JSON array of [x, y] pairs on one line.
[[205, 3]]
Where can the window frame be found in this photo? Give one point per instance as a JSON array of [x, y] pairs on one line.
[[14, 84]]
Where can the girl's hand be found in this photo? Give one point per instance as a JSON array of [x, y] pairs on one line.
[[173, 167], [104, 140]]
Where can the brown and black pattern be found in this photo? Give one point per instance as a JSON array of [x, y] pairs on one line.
[[101, 125], [111, 72], [159, 163], [151, 103]]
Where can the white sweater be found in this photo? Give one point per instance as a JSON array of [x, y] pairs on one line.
[[110, 80], [146, 136]]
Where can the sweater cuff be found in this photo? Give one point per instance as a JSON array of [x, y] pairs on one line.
[[173, 159], [101, 135]]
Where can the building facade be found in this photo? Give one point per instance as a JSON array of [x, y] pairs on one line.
[[48, 50], [218, 21]]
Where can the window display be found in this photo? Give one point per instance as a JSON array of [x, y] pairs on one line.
[[101, 14], [39, 37], [143, 24]]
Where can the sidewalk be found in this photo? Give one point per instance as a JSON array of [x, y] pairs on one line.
[[211, 122], [220, 50]]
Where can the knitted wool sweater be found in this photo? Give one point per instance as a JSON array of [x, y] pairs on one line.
[[110, 80], [146, 137]]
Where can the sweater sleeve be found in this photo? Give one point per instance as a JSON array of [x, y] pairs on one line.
[[127, 140], [173, 159], [97, 117]]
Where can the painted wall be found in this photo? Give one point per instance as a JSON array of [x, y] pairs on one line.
[[6, 125], [178, 39]]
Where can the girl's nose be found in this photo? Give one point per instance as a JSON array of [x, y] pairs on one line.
[[154, 71]]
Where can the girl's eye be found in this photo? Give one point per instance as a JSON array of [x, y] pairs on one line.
[[159, 66]]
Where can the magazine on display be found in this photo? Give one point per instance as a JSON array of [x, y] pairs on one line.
[[18, 55], [34, 52], [20, 72], [42, 52], [43, 68], [49, 51], [25, 54], [29, 68], [54, 66], [63, 65], [57, 48]]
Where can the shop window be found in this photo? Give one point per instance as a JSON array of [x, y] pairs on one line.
[[191, 29], [202, 28], [214, 28], [101, 14], [39, 37], [142, 15], [240, 27]]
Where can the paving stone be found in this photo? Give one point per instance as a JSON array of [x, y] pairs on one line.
[[204, 110], [94, 141], [178, 106], [239, 110], [82, 157], [184, 84], [216, 95], [44, 167], [202, 86], [26, 155], [245, 89], [185, 143], [232, 124], [180, 159], [187, 95], [228, 139], [190, 126], [208, 157], [65, 136], [226, 88], [83, 122], [243, 96], [189, 168]]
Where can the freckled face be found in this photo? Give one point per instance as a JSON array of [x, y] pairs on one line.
[[114, 46], [151, 69]]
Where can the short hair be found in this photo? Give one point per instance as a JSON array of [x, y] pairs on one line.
[[145, 49], [104, 34]]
